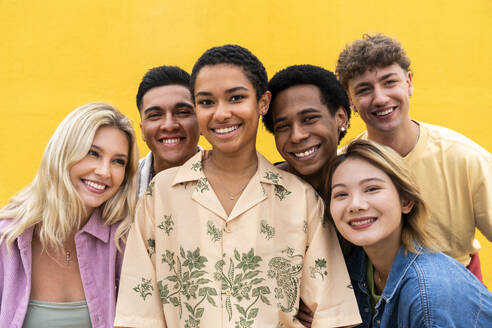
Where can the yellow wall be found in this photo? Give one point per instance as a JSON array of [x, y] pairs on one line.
[[56, 55]]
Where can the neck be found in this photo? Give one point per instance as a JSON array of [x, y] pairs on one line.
[[237, 163], [158, 166], [382, 256], [315, 180], [402, 140]]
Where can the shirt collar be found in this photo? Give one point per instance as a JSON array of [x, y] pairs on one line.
[[96, 227], [192, 171]]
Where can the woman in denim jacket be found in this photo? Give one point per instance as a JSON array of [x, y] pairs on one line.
[[397, 278]]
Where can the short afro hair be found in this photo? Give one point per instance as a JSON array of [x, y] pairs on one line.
[[332, 93], [161, 76], [234, 55], [376, 50]]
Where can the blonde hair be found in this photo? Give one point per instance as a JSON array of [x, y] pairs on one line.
[[391, 163], [52, 202]]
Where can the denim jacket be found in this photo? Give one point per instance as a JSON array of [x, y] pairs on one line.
[[423, 289]]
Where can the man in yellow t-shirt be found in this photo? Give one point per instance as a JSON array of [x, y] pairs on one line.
[[453, 172]]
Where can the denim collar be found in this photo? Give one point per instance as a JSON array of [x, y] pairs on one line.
[[356, 264]]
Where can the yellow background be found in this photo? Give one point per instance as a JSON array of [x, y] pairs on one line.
[[57, 55]]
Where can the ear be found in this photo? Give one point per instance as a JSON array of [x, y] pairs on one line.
[[264, 102], [341, 118], [141, 131], [410, 84], [352, 106], [406, 206]]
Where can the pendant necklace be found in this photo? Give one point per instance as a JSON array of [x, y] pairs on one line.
[[232, 196]]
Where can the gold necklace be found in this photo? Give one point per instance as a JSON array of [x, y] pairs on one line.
[[232, 196], [68, 258]]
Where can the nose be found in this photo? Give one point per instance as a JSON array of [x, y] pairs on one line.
[[169, 123], [298, 133], [380, 97], [103, 168], [222, 112], [357, 203]]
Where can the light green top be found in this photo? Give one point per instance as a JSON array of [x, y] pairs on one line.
[[370, 284], [54, 315]]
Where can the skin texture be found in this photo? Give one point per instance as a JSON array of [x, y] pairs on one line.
[[228, 114], [104, 165], [385, 90], [169, 125], [306, 133]]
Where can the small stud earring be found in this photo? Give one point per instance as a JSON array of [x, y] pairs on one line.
[[343, 129]]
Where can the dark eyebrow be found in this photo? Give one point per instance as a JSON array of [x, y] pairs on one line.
[[361, 182], [149, 109], [300, 113], [236, 89], [384, 77], [183, 104], [203, 93], [102, 151]]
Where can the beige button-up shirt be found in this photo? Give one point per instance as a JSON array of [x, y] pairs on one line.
[[188, 264]]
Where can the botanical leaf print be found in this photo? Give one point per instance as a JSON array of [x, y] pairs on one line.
[[267, 230], [151, 248], [273, 177], [281, 192], [150, 188], [305, 227], [202, 185], [244, 286], [189, 285], [286, 271], [196, 166], [167, 224], [319, 268], [213, 231], [144, 288]]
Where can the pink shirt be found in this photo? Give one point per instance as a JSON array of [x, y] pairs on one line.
[[99, 263]]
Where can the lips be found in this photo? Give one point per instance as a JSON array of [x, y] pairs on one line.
[[385, 111], [98, 187], [226, 130], [306, 153], [361, 223]]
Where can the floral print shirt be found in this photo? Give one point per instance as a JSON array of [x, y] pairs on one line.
[[188, 264]]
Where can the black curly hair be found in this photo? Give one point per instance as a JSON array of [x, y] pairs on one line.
[[235, 55], [160, 76], [333, 94]]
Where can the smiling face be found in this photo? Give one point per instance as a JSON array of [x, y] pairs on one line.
[[365, 205], [381, 97], [169, 125], [227, 108], [306, 133], [98, 175]]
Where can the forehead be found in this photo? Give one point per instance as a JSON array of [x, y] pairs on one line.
[[111, 140], [354, 170], [221, 77], [166, 95], [373, 74], [297, 98]]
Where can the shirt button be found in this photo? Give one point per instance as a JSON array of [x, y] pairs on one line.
[[378, 322], [228, 292], [227, 229]]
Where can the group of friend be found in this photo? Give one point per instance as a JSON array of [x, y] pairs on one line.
[[223, 238]]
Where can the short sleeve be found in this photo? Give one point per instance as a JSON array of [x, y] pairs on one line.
[[325, 283], [139, 303], [480, 170]]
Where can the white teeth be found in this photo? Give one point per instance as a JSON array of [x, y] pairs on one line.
[[169, 141], [306, 153], [358, 223], [226, 130], [384, 112], [95, 185]]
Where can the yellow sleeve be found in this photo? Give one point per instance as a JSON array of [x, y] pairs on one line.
[[481, 172], [325, 283], [139, 303]]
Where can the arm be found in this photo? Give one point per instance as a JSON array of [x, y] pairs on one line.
[[325, 284], [480, 170], [139, 303]]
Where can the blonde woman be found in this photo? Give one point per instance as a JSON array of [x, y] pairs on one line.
[[398, 282], [60, 243]]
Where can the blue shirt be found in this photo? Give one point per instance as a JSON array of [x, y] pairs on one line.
[[423, 289]]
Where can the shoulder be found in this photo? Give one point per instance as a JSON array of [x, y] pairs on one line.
[[440, 298], [453, 143]]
